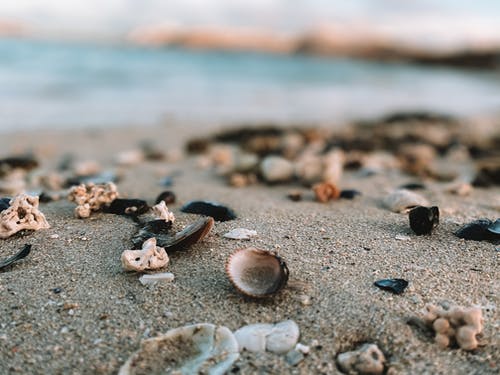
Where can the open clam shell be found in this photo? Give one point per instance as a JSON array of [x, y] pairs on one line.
[[256, 273]]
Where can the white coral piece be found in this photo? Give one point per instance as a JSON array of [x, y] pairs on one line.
[[161, 212], [23, 213], [92, 197], [151, 257]]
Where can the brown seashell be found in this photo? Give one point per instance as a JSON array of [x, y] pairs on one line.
[[256, 273], [188, 236], [326, 191]]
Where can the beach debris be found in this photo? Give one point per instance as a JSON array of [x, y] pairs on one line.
[[92, 197], [240, 180], [366, 360], [130, 157], [20, 255], [193, 349], [161, 212], [150, 229], [396, 286], [276, 169], [4, 203], [10, 163], [151, 257], [256, 273], [423, 219], [413, 186], [460, 188], [294, 195], [240, 234], [22, 213], [128, 207], [416, 158], [333, 166], [455, 325], [479, 230], [326, 191], [95, 179], [277, 338], [488, 172], [349, 194], [167, 196], [402, 200], [151, 279], [494, 227], [190, 235], [14, 182], [309, 167], [212, 209]]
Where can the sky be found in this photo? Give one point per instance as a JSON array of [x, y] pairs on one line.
[[424, 21]]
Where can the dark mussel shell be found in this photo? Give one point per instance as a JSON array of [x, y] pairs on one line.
[[188, 236], [128, 207], [396, 286], [167, 196], [150, 229], [349, 194], [424, 219], [20, 255], [413, 186], [97, 179], [478, 230], [212, 209], [21, 162], [495, 227], [4, 203]]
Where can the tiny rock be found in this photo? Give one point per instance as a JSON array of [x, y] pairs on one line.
[[276, 169], [367, 360]]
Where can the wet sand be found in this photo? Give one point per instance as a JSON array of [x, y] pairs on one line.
[[334, 251]]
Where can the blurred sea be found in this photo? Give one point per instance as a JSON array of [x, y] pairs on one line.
[[62, 84]]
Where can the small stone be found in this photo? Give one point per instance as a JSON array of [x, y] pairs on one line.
[[152, 279], [54, 236], [276, 169], [240, 234], [277, 338], [57, 290], [295, 196], [367, 360], [424, 219], [294, 357], [349, 194], [304, 349]]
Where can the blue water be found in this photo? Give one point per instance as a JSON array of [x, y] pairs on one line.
[[56, 84]]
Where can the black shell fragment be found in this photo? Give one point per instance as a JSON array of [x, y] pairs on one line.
[[424, 219], [396, 286], [349, 194], [212, 209], [478, 230], [495, 227], [150, 229], [129, 207], [413, 186], [167, 196], [20, 255], [97, 179], [21, 162], [4, 203]]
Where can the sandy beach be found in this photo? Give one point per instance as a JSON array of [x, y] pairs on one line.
[[334, 251]]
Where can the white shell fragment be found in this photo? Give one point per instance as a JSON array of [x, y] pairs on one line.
[[403, 200], [161, 212], [23, 213], [151, 279], [277, 338], [151, 257], [276, 169], [92, 197], [194, 349], [368, 359], [240, 234], [256, 273]]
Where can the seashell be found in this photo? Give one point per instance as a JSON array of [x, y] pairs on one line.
[[161, 212], [167, 196], [479, 230], [188, 236], [20, 255], [367, 360], [424, 219], [326, 191], [240, 234], [151, 257], [256, 273], [150, 229], [349, 194], [18, 162], [276, 169], [128, 207], [4, 203], [403, 200], [96, 179], [294, 195], [207, 208], [147, 279], [277, 338], [193, 349], [413, 186], [495, 227], [396, 286]]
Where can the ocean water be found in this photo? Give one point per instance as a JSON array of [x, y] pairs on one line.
[[62, 84]]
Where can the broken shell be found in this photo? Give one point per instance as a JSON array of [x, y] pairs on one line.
[[495, 227], [129, 207], [240, 234], [326, 191], [167, 196], [368, 359], [22, 213], [396, 286], [424, 219], [20, 255], [403, 200], [147, 279], [161, 212], [194, 349], [349, 194], [277, 338], [151, 257], [215, 210], [150, 229], [256, 273], [478, 230], [276, 169], [188, 236]]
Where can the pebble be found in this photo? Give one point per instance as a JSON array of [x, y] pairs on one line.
[[276, 169], [151, 279], [277, 338], [294, 357], [424, 219], [240, 234]]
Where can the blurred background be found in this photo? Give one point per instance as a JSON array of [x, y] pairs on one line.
[[99, 63]]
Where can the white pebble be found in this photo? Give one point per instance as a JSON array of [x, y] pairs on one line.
[[240, 234], [277, 338]]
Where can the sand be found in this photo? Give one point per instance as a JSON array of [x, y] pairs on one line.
[[334, 251]]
